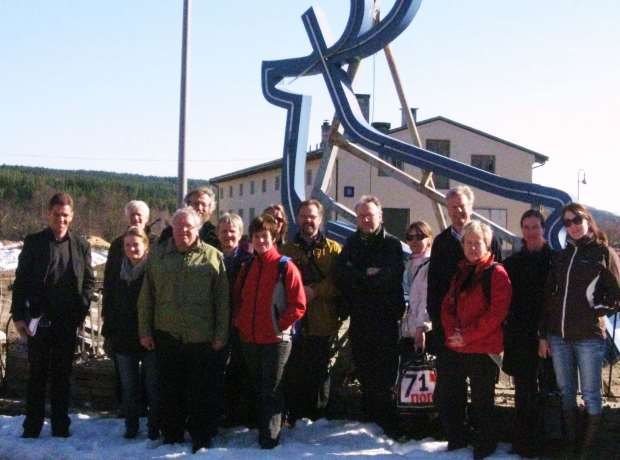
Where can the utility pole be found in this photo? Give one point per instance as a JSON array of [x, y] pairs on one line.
[[182, 178]]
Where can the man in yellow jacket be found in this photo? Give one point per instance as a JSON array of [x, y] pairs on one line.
[[308, 369]]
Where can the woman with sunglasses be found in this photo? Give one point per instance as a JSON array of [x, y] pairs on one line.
[[573, 327], [416, 321], [279, 215]]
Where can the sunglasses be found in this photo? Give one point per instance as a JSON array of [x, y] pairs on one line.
[[577, 220], [415, 237]]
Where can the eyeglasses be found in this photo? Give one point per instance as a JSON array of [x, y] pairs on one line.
[[415, 237], [577, 220]]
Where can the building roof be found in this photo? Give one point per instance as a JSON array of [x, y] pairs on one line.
[[538, 157], [262, 167], [316, 154]]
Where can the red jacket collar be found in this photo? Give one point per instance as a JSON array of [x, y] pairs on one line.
[[481, 265]]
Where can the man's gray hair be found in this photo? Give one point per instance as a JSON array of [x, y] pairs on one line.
[[481, 229], [464, 190], [137, 205], [365, 199], [231, 218], [192, 216]]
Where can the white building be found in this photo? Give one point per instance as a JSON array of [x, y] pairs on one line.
[[248, 191]]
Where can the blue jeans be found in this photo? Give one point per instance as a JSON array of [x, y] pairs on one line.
[[585, 356], [129, 373]]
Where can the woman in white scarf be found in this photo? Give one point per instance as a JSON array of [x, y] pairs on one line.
[[416, 322]]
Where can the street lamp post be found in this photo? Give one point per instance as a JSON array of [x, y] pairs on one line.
[[182, 178], [581, 179]]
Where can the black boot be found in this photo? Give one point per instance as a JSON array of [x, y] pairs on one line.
[[593, 423], [131, 429], [570, 427]]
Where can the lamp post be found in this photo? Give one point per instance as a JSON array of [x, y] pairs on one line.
[[182, 178], [581, 179]]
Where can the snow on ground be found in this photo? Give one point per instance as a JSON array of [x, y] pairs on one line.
[[10, 252], [99, 438]]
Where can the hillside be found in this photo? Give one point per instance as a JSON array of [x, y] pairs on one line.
[[99, 198]]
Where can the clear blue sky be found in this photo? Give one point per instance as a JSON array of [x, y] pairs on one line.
[[95, 84]]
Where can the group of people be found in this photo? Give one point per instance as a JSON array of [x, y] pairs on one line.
[[211, 327]]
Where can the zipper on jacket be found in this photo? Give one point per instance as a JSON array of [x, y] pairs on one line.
[[570, 265], [260, 271]]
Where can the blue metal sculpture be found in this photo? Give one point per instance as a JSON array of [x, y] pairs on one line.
[[363, 38]]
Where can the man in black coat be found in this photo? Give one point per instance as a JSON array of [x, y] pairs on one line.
[[53, 287], [446, 253], [203, 201], [369, 274]]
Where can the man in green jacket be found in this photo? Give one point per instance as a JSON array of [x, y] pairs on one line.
[[184, 315], [314, 348]]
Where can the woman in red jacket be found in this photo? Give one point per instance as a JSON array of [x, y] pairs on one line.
[[269, 299], [471, 314]]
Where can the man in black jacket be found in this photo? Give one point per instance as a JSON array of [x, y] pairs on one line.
[[369, 274], [446, 253], [54, 283]]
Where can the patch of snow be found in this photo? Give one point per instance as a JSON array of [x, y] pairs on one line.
[[101, 438]]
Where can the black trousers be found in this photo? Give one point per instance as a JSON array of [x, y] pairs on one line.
[[482, 373], [50, 355], [239, 397], [307, 376], [190, 388], [376, 362], [266, 364]]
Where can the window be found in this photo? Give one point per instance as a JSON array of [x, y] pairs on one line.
[[442, 147], [252, 214], [241, 189], [496, 215], [276, 183], [308, 177], [393, 161], [220, 193], [251, 187], [240, 213], [230, 191], [264, 185], [484, 162]]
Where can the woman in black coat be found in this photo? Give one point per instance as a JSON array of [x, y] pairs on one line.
[[121, 330], [528, 270]]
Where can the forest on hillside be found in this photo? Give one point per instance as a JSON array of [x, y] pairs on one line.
[[101, 196], [99, 199]]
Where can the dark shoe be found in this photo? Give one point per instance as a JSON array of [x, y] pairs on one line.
[[30, 434], [456, 444], [484, 450], [131, 432], [153, 434], [268, 443], [525, 451], [200, 444], [61, 432]]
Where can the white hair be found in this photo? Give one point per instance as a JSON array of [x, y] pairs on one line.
[[137, 205], [481, 229], [231, 218], [188, 211]]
